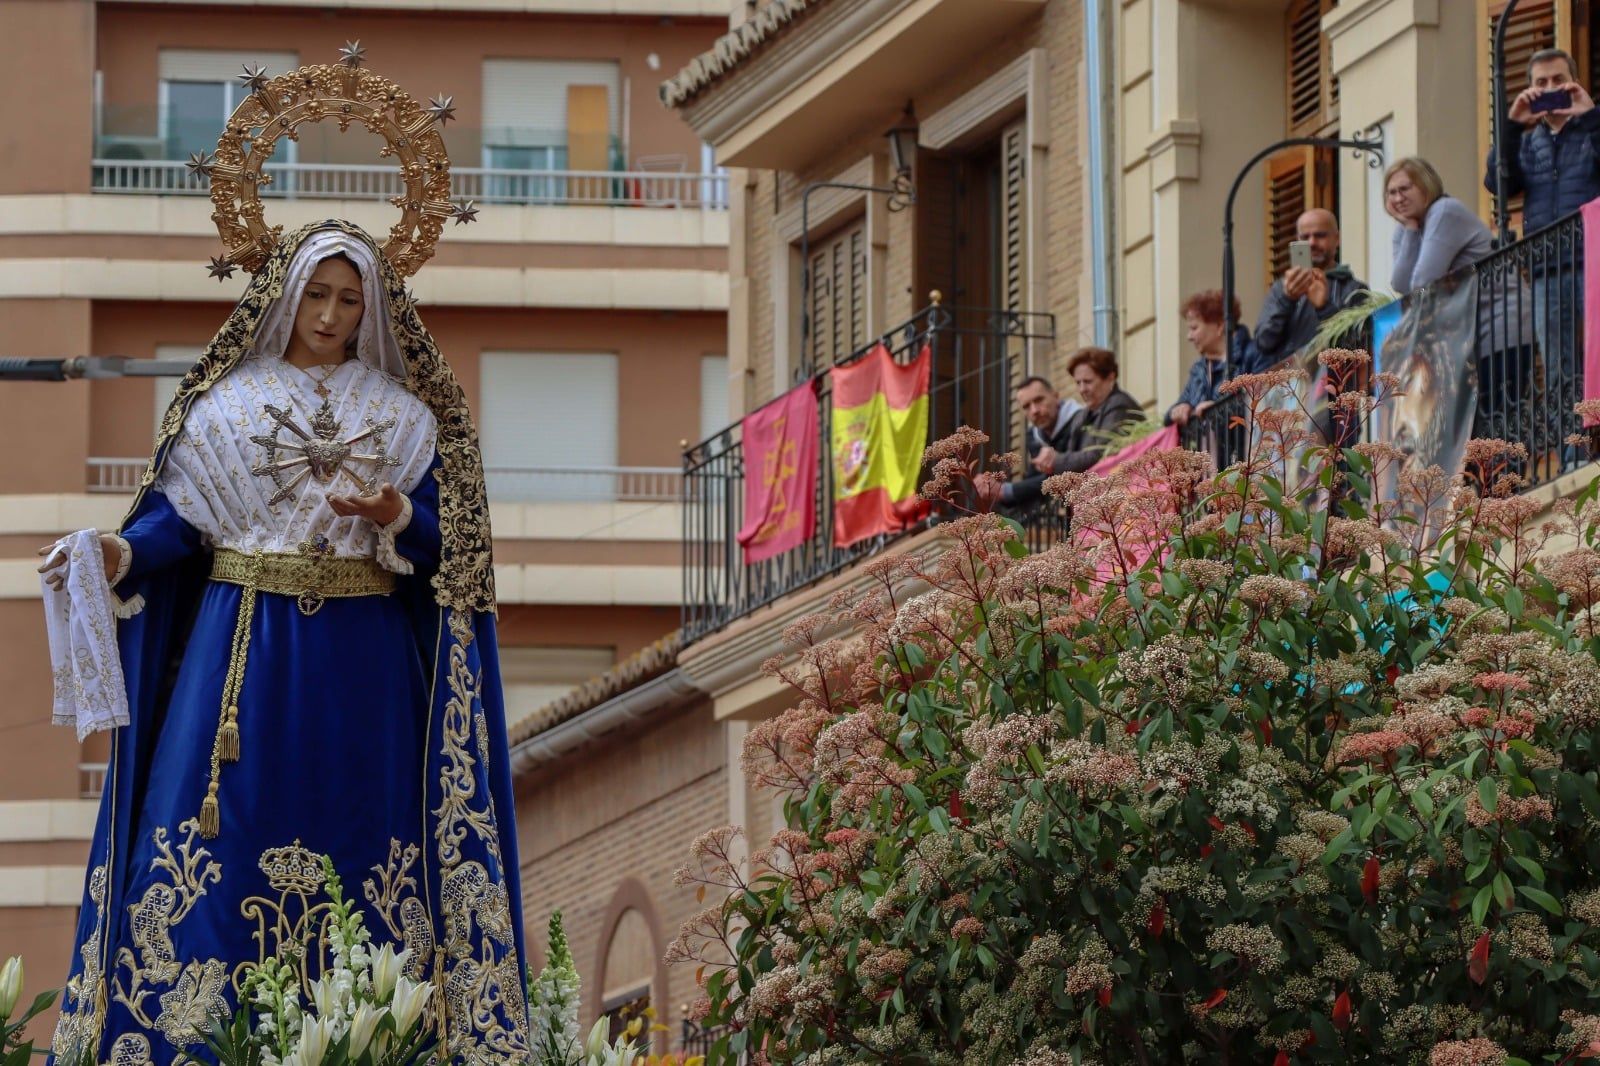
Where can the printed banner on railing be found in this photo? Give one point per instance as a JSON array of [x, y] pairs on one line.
[[879, 432], [1591, 304], [1428, 340], [780, 480]]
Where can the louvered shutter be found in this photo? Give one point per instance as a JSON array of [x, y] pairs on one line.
[[713, 395], [1298, 179], [182, 64], [1014, 255], [838, 302], [1532, 27], [541, 410], [525, 100], [1313, 92]]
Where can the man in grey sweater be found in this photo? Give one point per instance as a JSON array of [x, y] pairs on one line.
[[1299, 302]]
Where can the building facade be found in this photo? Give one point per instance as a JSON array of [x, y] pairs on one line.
[[584, 313]]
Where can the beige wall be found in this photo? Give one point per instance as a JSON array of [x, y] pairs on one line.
[[602, 832], [425, 52], [47, 56]]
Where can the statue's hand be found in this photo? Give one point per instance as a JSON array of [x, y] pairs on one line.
[[380, 508]]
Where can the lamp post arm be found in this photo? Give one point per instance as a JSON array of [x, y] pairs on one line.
[[901, 196], [1372, 147]]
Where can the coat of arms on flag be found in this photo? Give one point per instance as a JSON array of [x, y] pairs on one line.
[[879, 431]]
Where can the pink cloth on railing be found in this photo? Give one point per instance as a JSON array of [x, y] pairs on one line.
[[1591, 304], [780, 474], [1138, 541]]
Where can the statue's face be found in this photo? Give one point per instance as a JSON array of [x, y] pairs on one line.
[[330, 309]]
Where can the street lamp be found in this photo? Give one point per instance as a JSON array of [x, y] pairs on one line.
[[901, 193], [1366, 141]]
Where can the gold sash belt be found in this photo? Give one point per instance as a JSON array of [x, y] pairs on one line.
[[311, 577]]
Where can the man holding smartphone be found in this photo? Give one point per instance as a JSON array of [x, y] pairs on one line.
[[1314, 287], [1553, 161]]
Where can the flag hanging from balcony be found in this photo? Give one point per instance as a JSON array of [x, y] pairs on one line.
[[780, 481], [1591, 304], [879, 432], [1428, 340]]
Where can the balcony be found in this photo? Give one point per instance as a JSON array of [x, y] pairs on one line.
[[978, 356], [1530, 304], [541, 484], [486, 185]]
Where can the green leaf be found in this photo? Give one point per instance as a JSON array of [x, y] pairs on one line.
[[939, 821], [1488, 794], [1534, 869], [1503, 891], [1480, 905], [1542, 898]]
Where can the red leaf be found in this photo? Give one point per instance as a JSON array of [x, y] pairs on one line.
[[1266, 731], [1215, 999], [1248, 831], [1104, 997], [1369, 879], [1158, 919], [958, 813], [1394, 673], [1282, 1059], [1205, 850], [1478, 962], [1135, 725], [1216, 823], [1341, 1011]]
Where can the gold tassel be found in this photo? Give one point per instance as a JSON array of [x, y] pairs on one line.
[[210, 816], [228, 740]]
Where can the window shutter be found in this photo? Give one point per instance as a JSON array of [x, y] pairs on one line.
[[1014, 217], [1313, 92], [525, 100], [182, 64], [166, 388], [838, 311], [713, 395], [1298, 179], [548, 410]]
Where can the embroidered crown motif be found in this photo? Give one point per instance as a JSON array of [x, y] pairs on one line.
[[293, 869]]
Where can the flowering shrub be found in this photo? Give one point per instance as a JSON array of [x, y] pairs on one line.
[[1246, 770]]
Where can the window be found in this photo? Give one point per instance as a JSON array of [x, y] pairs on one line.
[[199, 91], [166, 388], [549, 425], [551, 115], [534, 677], [837, 306], [622, 1011], [1532, 27], [1312, 90], [1298, 179], [713, 394]]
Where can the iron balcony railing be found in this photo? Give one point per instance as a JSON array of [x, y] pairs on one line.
[[597, 188], [979, 357], [1529, 357]]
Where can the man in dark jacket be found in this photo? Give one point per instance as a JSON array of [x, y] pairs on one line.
[[1299, 302], [1553, 160], [1048, 420]]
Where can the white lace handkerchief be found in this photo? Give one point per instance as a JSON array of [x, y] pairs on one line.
[[81, 620]]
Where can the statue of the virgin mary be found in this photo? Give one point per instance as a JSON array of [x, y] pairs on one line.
[[292, 637]]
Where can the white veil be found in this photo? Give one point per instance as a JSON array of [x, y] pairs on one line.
[[375, 344]]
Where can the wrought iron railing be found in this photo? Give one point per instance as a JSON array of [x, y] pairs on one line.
[[596, 188], [978, 358], [698, 1040], [1529, 366]]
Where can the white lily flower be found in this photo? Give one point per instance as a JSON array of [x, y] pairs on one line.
[[363, 1025], [599, 1041], [387, 966], [325, 994], [315, 1037], [10, 985], [410, 997]]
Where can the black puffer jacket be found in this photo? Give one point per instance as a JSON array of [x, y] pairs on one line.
[[1556, 173]]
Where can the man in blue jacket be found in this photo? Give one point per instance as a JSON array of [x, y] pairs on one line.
[[1553, 159]]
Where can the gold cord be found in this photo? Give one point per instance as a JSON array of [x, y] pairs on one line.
[[226, 746]]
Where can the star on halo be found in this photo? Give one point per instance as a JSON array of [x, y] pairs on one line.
[[352, 54], [200, 164], [466, 212], [255, 77], [220, 267], [442, 108]]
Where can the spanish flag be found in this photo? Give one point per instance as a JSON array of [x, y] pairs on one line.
[[880, 429]]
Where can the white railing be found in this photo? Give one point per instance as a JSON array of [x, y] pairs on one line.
[[115, 475], [529, 484], [568, 484], [351, 181], [91, 779]]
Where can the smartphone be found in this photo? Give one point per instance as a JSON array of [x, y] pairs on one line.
[[1554, 100], [1300, 255]]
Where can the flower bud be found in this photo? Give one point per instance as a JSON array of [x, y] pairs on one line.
[[10, 985]]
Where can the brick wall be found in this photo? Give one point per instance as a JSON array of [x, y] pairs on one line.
[[613, 822]]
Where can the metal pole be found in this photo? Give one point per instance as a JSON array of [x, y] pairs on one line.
[[1371, 147], [1497, 126]]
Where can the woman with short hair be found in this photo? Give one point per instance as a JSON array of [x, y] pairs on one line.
[[1436, 233]]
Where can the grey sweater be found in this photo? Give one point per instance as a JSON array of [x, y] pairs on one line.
[[1451, 236]]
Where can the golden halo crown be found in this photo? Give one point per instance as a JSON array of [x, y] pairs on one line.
[[346, 93]]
